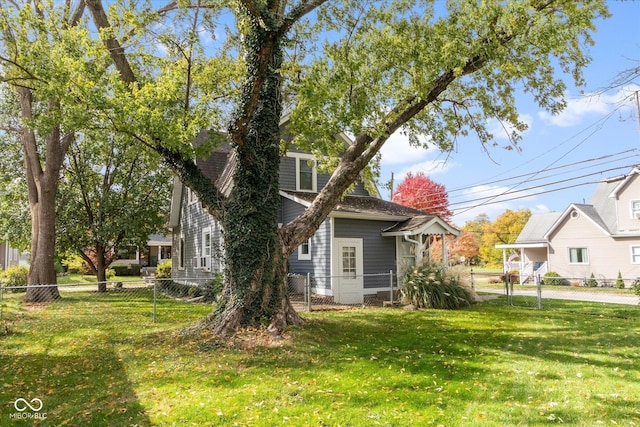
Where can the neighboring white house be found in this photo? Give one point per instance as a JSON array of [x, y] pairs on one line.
[[602, 237]]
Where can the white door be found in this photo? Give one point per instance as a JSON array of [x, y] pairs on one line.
[[348, 283]]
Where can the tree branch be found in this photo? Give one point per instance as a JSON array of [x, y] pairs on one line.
[[360, 153], [297, 12], [113, 46]]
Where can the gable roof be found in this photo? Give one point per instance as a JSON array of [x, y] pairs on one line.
[[421, 224], [587, 210], [410, 221]]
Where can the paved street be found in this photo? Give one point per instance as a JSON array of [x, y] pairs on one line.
[[568, 294]]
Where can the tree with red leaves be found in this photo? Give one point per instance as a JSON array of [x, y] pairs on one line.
[[420, 192]]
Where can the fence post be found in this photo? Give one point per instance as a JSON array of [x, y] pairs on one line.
[[155, 286], [539, 291], [307, 291], [391, 286], [507, 282]]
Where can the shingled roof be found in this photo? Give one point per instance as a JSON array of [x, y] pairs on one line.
[[359, 205]]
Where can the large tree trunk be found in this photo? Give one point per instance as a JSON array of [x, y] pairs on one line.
[[255, 289], [101, 269], [42, 184], [42, 275]]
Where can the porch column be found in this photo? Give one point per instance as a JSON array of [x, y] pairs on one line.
[[445, 252], [504, 260]]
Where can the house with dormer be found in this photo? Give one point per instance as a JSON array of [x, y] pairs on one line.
[[363, 236], [601, 237]]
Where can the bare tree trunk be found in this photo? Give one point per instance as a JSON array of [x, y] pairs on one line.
[[41, 269], [101, 269], [42, 183]]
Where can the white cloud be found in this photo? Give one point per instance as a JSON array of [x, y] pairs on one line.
[[397, 150], [600, 104], [504, 130]]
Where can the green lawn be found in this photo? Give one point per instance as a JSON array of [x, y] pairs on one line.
[[102, 362]]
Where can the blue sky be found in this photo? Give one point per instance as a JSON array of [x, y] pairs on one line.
[[561, 157]]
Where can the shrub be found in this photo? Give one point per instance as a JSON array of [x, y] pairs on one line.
[[16, 276], [592, 282], [212, 290], [552, 278], [636, 286], [110, 273], [76, 265], [126, 270], [515, 277], [163, 270], [619, 281], [429, 286]]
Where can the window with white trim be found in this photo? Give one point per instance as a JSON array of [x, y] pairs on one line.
[[635, 254], [635, 209], [205, 257], [578, 256], [306, 175], [349, 261], [181, 253], [191, 196], [304, 251]]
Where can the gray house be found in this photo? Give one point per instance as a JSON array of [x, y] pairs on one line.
[[602, 237], [11, 257], [363, 237]]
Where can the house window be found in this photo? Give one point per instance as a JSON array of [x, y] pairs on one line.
[[304, 251], [578, 256], [305, 174], [205, 259], [635, 209], [181, 253], [635, 254], [191, 196], [349, 261]]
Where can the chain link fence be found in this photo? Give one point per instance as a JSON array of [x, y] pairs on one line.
[[536, 290], [309, 292], [147, 299]]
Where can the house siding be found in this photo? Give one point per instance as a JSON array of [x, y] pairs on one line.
[[319, 266], [287, 179], [379, 253], [194, 219], [631, 192], [607, 256]]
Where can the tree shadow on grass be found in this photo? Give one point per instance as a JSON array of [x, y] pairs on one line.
[[89, 388]]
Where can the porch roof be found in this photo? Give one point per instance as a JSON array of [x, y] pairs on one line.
[[421, 224]]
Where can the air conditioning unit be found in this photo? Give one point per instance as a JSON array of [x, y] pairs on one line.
[[203, 264]]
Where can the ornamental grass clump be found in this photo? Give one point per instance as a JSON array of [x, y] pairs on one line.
[[430, 286]]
